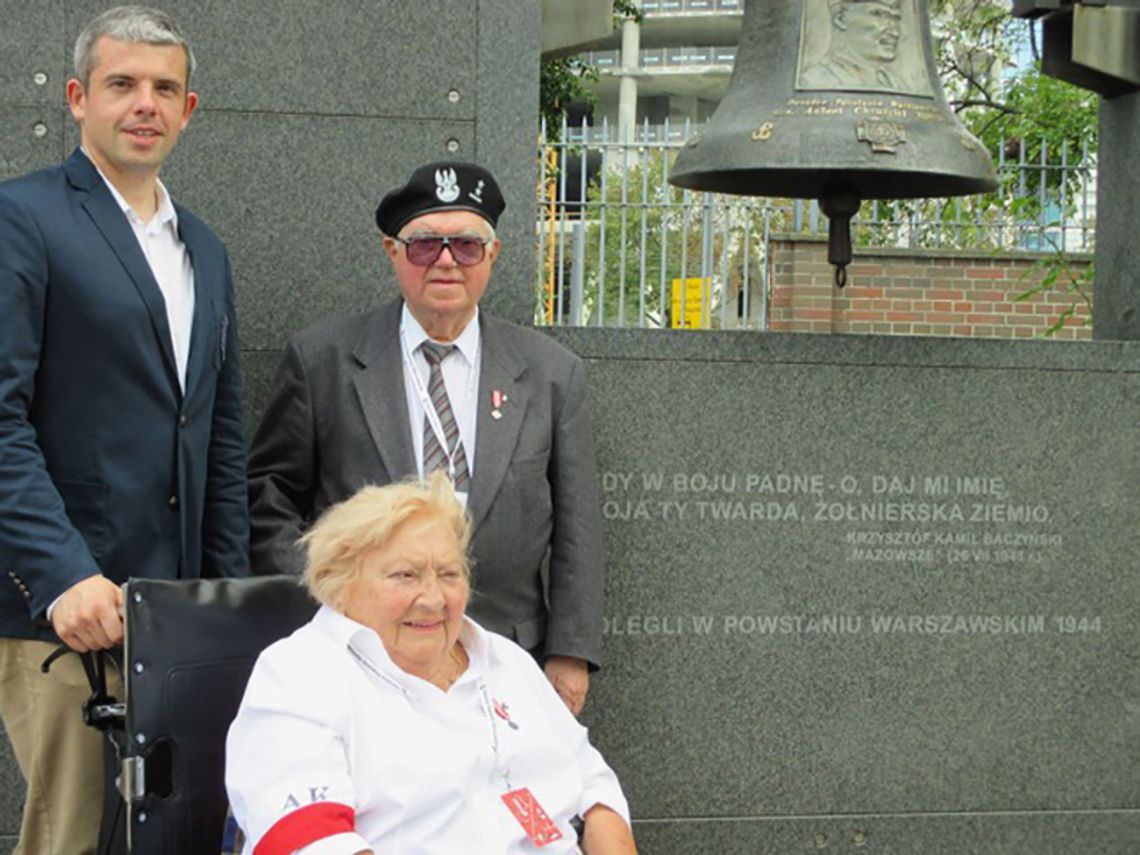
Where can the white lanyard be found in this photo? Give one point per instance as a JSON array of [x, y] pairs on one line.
[[429, 408], [376, 673], [501, 767]]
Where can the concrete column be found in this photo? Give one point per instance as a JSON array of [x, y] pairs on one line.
[[627, 95]]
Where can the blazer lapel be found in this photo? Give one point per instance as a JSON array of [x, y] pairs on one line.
[[500, 372], [380, 388], [112, 223], [207, 278]]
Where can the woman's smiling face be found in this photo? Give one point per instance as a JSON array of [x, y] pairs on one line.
[[412, 592]]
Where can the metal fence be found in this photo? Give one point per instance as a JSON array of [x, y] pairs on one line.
[[620, 246]]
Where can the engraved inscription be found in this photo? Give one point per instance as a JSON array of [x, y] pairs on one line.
[[767, 625], [893, 109], [920, 519], [929, 523]]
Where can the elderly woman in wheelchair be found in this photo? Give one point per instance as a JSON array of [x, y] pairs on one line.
[[392, 723]]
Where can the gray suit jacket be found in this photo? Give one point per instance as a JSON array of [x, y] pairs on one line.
[[337, 419]]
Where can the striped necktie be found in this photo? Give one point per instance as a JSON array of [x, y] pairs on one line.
[[434, 455]]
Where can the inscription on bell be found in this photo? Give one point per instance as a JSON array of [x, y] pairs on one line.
[[862, 45], [762, 133], [884, 137]]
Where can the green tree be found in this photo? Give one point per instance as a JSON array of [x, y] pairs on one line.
[[1024, 116]]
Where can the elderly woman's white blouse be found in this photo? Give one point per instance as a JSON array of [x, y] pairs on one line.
[[335, 749]]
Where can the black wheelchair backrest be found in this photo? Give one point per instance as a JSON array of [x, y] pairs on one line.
[[189, 649]]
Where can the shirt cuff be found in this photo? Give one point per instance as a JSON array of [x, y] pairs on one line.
[[607, 797], [52, 606]]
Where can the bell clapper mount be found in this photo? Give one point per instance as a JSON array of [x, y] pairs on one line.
[[839, 204]]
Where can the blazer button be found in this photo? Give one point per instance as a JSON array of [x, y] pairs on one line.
[[182, 420], [172, 502]]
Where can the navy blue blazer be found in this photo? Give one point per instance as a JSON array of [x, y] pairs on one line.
[[105, 466]]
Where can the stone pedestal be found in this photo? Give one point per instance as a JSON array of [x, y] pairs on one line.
[[869, 589]]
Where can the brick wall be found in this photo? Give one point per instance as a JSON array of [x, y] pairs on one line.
[[919, 292]]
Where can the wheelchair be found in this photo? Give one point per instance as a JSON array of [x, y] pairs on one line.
[[188, 649]]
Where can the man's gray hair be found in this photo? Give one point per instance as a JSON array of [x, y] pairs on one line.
[[133, 25]]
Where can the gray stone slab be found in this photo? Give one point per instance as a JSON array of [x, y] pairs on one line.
[[34, 64], [342, 57], [1117, 289], [865, 576], [30, 138], [258, 367], [11, 791], [294, 198], [508, 99], [1108, 833]]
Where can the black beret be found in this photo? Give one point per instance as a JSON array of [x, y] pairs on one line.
[[443, 186]]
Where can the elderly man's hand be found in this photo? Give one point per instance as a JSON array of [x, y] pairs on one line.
[[571, 679], [88, 615]]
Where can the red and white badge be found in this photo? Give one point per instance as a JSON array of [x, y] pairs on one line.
[[539, 827]]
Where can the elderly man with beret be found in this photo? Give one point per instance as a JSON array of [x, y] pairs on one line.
[[430, 382]]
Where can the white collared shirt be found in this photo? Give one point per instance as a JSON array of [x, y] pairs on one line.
[[169, 261], [460, 378], [335, 749]]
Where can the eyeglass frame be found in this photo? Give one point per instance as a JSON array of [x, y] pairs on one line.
[[445, 243]]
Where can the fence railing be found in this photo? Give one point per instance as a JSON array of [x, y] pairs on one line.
[[619, 245]]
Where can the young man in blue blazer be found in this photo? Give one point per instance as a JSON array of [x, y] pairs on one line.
[[121, 445]]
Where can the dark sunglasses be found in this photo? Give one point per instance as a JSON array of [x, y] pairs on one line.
[[425, 251]]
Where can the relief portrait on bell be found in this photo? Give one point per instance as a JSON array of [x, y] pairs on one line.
[[862, 45]]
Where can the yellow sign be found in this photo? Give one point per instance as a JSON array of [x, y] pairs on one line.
[[690, 304]]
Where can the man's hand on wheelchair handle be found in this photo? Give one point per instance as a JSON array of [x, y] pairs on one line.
[[88, 616]]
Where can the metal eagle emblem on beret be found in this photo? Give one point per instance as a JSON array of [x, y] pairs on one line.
[[446, 185]]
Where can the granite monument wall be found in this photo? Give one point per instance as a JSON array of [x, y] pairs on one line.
[[870, 594], [866, 594]]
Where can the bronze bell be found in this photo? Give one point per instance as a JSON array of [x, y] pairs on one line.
[[835, 100]]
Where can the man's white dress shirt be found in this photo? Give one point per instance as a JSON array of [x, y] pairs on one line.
[[460, 378], [169, 261]]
